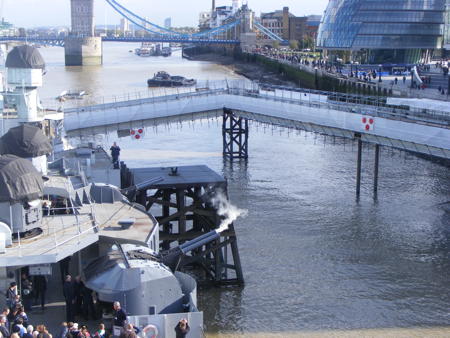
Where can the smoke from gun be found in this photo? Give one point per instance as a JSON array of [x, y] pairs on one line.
[[225, 209]]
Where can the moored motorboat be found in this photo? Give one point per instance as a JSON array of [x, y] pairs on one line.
[[163, 79]]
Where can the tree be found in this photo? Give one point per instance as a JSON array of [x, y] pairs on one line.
[[276, 44], [293, 44]]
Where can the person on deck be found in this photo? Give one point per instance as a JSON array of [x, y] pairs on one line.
[[40, 288], [115, 153], [69, 296], [120, 317], [182, 328]]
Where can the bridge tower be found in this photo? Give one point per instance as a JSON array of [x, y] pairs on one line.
[[247, 36], [82, 47]]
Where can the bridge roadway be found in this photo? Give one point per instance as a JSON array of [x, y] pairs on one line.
[[418, 131], [59, 42]]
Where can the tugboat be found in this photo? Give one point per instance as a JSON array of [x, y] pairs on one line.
[[166, 51], [163, 79]]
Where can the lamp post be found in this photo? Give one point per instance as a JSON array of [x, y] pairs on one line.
[[316, 80]]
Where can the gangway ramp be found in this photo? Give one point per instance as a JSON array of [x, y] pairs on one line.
[[286, 108]]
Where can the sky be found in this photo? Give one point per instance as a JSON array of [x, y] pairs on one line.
[[37, 13]]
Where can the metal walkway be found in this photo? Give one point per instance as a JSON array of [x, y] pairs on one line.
[[425, 132]]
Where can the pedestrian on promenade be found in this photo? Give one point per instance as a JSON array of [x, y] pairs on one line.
[[404, 79]]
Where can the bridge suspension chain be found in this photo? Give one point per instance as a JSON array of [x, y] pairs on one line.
[[135, 19]]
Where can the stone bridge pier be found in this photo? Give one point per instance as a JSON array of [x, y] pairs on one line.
[[82, 47]]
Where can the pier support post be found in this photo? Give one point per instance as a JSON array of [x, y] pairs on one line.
[[375, 169], [235, 136], [358, 167]]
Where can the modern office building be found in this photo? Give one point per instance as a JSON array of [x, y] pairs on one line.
[[383, 31], [447, 28], [168, 23], [124, 26]]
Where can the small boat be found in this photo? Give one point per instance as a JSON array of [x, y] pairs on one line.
[[147, 49], [71, 95], [163, 79]]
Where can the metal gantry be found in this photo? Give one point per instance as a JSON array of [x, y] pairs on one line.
[[184, 199], [235, 136]]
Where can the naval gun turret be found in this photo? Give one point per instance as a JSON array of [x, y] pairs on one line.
[[21, 189]]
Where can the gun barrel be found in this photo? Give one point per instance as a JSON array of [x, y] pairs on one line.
[[199, 241]]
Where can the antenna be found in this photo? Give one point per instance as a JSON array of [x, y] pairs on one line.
[[2, 4]]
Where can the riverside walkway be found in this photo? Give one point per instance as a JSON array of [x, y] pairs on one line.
[[423, 131]]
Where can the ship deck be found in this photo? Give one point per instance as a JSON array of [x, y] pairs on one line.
[[64, 235]]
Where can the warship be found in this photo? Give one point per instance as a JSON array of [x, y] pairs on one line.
[[57, 202]]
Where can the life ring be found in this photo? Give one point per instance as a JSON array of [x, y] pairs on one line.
[[150, 331]]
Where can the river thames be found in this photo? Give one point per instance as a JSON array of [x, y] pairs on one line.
[[314, 258]]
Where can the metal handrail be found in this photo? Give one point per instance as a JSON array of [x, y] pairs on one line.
[[77, 236], [251, 89]]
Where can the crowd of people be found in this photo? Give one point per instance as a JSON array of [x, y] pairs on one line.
[[352, 71], [15, 323]]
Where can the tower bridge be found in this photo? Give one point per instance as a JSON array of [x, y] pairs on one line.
[[82, 47]]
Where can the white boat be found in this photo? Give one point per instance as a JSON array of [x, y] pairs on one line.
[[71, 95]]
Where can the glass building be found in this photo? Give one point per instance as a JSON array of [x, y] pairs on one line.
[[447, 27], [383, 31]]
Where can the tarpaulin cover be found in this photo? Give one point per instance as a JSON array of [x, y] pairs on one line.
[[19, 180], [25, 141], [25, 56]]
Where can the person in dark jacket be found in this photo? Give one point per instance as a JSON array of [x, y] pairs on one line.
[[40, 288], [11, 294], [27, 292], [64, 268], [88, 303], [69, 296], [78, 286], [115, 153], [182, 328], [120, 317]]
